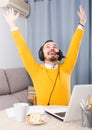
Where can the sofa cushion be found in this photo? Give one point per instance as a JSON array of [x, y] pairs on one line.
[[21, 96], [7, 101], [4, 88], [17, 78]]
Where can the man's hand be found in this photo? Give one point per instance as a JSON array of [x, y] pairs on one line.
[[82, 15], [11, 17]]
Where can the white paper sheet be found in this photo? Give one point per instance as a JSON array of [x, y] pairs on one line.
[[10, 112], [40, 109]]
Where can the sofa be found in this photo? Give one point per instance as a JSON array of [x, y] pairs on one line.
[[14, 84]]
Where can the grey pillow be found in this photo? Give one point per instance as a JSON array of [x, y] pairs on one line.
[[4, 88], [17, 78]]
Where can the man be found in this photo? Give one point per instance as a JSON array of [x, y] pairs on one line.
[[52, 79]]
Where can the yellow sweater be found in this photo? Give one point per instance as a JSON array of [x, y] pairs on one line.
[[43, 78]]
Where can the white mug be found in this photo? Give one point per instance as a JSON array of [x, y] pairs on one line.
[[21, 110]]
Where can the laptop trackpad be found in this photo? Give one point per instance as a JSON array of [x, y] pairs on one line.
[[61, 114]]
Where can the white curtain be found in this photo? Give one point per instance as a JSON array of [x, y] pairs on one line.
[[57, 20]]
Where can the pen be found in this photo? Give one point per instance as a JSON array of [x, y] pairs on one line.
[[83, 102], [83, 107], [90, 107], [88, 100]]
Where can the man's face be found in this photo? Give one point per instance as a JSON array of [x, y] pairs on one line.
[[50, 49]]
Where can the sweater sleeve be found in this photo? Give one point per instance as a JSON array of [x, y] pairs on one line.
[[73, 51], [28, 60]]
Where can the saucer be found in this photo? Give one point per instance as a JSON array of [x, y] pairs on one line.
[[38, 122], [36, 118]]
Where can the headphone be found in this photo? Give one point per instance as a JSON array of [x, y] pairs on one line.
[[41, 54]]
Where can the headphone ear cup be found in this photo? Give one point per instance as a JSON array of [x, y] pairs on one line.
[[40, 54], [61, 55]]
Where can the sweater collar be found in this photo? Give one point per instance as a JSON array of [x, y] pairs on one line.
[[51, 66]]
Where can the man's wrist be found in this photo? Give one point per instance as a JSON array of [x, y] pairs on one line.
[[14, 28], [80, 27], [81, 24]]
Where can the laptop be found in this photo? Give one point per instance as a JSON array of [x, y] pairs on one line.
[[73, 111]]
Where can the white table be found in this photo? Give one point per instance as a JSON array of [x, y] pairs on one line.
[[53, 123]]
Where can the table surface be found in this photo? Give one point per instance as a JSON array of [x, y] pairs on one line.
[[10, 123]]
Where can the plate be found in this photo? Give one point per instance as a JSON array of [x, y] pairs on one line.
[[38, 123], [36, 119]]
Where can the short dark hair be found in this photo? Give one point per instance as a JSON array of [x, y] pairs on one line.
[[48, 41]]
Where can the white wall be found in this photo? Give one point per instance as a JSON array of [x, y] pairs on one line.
[[9, 57]]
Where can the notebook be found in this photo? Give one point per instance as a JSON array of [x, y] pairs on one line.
[[73, 111]]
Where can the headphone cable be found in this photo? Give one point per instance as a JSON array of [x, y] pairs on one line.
[[53, 88]]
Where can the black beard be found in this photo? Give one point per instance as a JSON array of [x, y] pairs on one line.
[[52, 59]]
